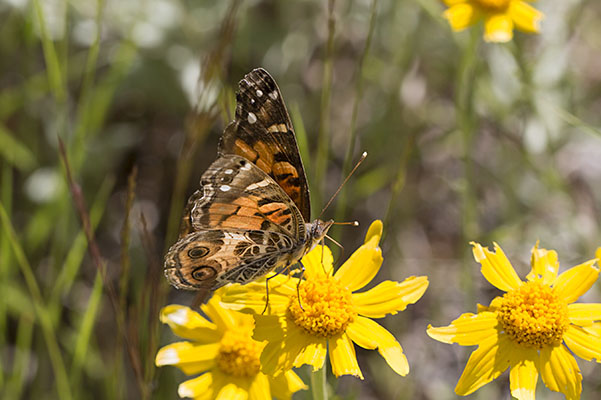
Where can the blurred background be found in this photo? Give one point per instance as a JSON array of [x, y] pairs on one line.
[[467, 141]]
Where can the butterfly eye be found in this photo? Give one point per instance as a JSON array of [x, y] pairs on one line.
[[204, 272], [198, 252]]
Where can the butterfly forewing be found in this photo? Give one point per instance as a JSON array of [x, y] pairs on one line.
[[263, 134]]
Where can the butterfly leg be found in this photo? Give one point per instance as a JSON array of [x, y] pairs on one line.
[[298, 285], [267, 286]]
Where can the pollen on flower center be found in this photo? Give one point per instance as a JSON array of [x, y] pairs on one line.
[[239, 355], [493, 5], [327, 307], [533, 315]]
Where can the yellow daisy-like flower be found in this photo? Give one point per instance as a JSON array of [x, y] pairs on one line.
[[224, 352], [328, 315], [530, 328], [499, 16]]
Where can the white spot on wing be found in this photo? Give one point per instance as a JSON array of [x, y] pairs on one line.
[[225, 188], [228, 171], [252, 101], [257, 185], [245, 167], [252, 118], [259, 93], [274, 95]]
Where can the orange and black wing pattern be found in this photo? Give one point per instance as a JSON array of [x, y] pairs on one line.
[[263, 134]]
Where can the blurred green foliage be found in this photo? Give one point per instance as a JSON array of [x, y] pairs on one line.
[[466, 141]]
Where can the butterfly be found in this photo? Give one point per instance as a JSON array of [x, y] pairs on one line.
[[249, 216]]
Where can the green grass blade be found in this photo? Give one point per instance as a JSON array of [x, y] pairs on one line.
[[14, 152], [56, 358]]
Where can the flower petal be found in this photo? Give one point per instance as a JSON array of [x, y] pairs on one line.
[[523, 377], [496, 268], [365, 262], [488, 361], [525, 17], [288, 345], [390, 297], [259, 388], [318, 262], [584, 314], [467, 330], [461, 15], [544, 264], [576, 281], [582, 343], [223, 318], [560, 372], [284, 385], [370, 335], [252, 297], [343, 357], [498, 28], [189, 324], [197, 388], [192, 358]]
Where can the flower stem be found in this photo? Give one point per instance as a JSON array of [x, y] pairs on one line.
[[318, 384]]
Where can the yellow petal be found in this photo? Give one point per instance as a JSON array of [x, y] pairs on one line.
[[453, 2], [370, 335], [365, 262], [582, 343], [487, 362], [496, 268], [318, 262], [523, 377], [390, 297], [233, 391], [584, 314], [284, 385], [198, 388], [461, 15], [288, 345], [253, 296], [576, 281], [223, 318], [192, 358], [342, 357], [498, 28], [544, 264], [189, 324], [594, 329], [259, 388], [525, 17], [598, 253], [560, 372], [467, 330]]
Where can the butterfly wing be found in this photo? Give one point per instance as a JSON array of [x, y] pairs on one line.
[[209, 259], [236, 194], [263, 134]]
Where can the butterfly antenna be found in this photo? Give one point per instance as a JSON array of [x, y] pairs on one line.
[[344, 182]]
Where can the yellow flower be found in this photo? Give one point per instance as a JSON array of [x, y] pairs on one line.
[[530, 328], [224, 352], [329, 314], [500, 17]]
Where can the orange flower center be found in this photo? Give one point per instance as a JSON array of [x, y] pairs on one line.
[[325, 308], [493, 5], [533, 315], [239, 354]]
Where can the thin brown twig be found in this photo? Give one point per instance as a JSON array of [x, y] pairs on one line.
[[94, 251]]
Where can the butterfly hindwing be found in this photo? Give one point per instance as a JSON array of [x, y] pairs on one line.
[[238, 195], [209, 259], [263, 134]]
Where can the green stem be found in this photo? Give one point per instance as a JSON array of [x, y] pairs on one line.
[[318, 384]]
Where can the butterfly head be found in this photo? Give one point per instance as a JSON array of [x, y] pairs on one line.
[[317, 230]]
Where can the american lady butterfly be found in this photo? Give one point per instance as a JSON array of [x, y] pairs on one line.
[[249, 216]]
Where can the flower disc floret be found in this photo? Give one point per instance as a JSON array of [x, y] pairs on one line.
[[325, 308], [533, 315], [493, 5], [239, 355]]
